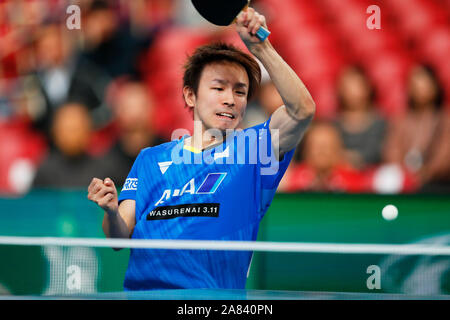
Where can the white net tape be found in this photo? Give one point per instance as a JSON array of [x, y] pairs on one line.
[[406, 249]]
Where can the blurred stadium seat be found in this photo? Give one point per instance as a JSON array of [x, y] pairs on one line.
[[164, 70], [389, 72], [417, 18], [20, 153]]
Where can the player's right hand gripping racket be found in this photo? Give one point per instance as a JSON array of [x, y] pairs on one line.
[[224, 13]]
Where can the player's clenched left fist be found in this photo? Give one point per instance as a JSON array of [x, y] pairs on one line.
[[104, 194], [248, 23]]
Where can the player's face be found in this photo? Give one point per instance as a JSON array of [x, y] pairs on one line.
[[222, 96]]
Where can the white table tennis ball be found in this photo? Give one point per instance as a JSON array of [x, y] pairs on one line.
[[390, 212]]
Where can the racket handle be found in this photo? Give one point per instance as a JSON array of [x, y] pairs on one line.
[[262, 34]]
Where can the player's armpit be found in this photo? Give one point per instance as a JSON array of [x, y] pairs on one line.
[[290, 130]]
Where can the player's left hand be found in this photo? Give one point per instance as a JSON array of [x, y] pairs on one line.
[[247, 24]]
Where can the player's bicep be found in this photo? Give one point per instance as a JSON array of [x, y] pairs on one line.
[[127, 211], [290, 130]]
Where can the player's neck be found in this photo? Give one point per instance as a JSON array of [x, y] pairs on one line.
[[201, 142], [203, 138]]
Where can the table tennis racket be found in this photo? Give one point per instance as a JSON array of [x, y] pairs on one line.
[[224, 13]]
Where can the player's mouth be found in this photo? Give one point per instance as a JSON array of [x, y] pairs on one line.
[[225, 116]]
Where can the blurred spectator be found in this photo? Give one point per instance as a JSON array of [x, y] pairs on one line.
[[151, 14], [361, 127], [60, 77], [68, 165], [324, 167], [133, 113], [419, 140], [114, 45]]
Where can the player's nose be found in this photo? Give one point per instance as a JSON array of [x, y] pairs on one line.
[[228, 98]]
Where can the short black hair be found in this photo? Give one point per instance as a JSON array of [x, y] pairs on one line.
[[219, 52]]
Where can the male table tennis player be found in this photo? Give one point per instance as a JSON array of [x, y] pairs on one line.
[[165, 198]]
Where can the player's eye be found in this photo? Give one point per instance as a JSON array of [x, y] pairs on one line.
[[218, 89], [241, 93]]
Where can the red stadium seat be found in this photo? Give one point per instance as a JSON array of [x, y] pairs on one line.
[[417, 17], [102, 139], [164, 73], [324, 95], [317, 64], [444, 5], [171, 47], [299, 7], [436, 45], [391, 179], [389, 74]]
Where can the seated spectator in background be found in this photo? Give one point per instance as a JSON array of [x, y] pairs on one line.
[[324, 166], [361, 127], [67, 164], [111, 43], [419, 139], [133, 113], [60, 77]]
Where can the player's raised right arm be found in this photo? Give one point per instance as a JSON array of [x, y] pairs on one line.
[[118, 221]]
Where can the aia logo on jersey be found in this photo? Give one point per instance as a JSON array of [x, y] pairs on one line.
[[208, 186]]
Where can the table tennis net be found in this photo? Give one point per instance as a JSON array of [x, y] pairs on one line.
[[66, 267]]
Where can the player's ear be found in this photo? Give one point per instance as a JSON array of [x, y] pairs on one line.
[[189, 96]]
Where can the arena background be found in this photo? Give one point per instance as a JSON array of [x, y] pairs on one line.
[[77, 103]]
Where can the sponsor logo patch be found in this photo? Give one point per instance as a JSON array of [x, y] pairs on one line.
[[208, 186], [185, 210], [130, 184], [163, 166]]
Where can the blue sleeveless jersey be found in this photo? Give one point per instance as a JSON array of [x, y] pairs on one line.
[[221, 193]]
